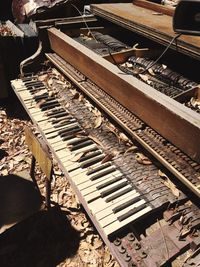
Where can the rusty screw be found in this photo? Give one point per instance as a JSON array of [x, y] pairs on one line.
[[127, 257], [137, 246], [117, 241], [122, 249], [131, 237], [143, 254]]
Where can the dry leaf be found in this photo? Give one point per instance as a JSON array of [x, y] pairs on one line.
[[90, 238], [98, 122], [50, 82], [89, 105], [96, 140], [61, 195], [142, 159], [19, 158], [97, 243], [131, 149], [57, 172], [76, 96], [73, 91], [42, 78], [107, 257], [128, 65], [85, 255], [54, 196], [144, 77], [40, 103], [123, 137], [169, 184], [150, 70], [81, 98], [51, 93], [195, 102], [107, 158], [77, 157], [4, 172], [96, 112]]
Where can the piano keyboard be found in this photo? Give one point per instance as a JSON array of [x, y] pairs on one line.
[[110, 196]]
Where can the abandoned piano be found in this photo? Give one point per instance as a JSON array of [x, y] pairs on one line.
[[123, 124]]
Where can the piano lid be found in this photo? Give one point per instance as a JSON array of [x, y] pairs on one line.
[[153, 25]]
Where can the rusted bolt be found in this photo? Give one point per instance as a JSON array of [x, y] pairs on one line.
[[131, 237], [117, 241], [122, 250], [137, 246], [143, 254], [127, 257]]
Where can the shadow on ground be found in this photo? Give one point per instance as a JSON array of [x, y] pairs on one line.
[[43, 239], [3, 153], [13, 107]]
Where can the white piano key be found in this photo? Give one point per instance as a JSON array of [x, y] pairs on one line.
[[99, 181], [108, 213], [101, 204], [70, 164], [92, 196], [116, 225], [91, 190]]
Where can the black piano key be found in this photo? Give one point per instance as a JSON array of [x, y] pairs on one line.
[[66, 118], [68, 130], [116, 179], [48, 102], [91, 161], [37, 98], [88, 163], [109, 191], [61, 123], [90, 155], [58, 114], [76, 142], [119, 194], [29, 78], [36, 89], [33, 90], [131, 212], [126, 204], [99, 168], [81, 145], [33, 83], [50, 106], [99, 175], [73, 133]]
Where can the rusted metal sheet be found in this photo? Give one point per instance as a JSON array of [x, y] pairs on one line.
[[149, 24], [172, 120]]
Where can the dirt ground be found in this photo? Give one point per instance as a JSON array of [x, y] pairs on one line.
[[62, 236]]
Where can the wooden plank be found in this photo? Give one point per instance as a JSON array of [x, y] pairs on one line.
[[146, 23], [122, 56], [116, 225], [155, 7], [39, 152], [175, 122]]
